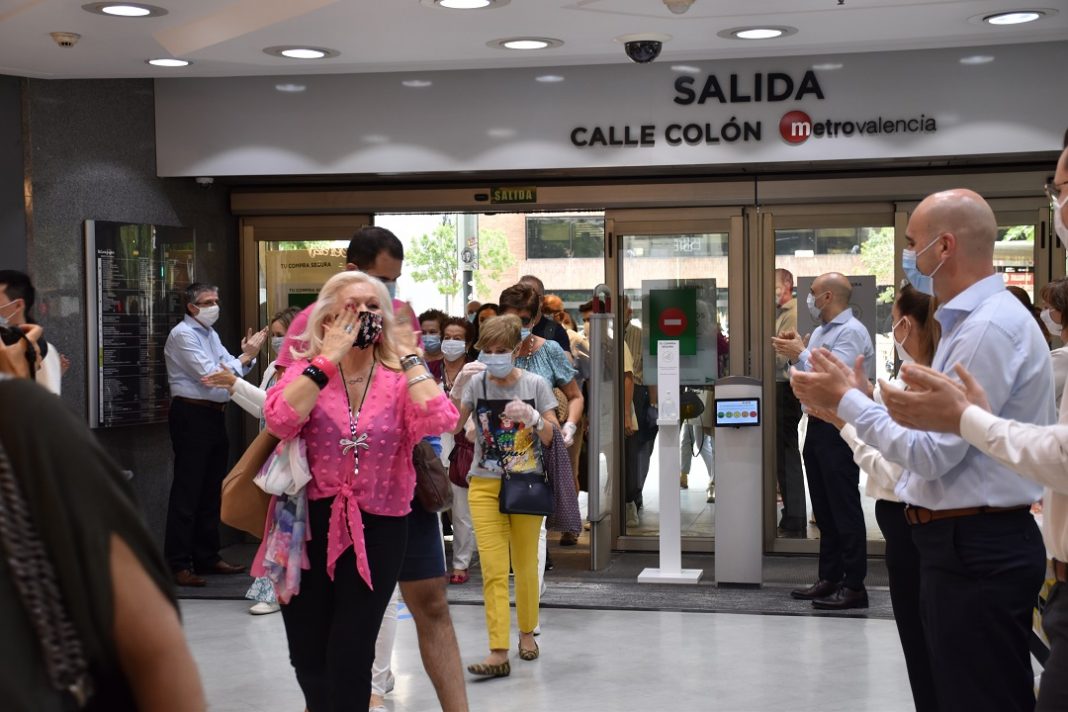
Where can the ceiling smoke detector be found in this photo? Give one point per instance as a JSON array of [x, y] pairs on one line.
[[678, 6], [65, 39]]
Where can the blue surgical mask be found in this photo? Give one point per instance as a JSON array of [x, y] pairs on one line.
[[453, 349], [498, 365], [471, 317], [276, 343], [524, 332], [923, 283], [432, 343], [391, 287]]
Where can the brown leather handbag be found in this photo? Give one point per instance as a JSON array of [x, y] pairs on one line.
[[432, 487], [244, 505]]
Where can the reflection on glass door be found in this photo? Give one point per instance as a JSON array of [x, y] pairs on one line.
[[1014, 257], [801, 255], [675, 286]]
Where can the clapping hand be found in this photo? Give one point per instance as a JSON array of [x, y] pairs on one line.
[[829, 380], [223, 378], [934, 401], [253, 342], [789, 344]]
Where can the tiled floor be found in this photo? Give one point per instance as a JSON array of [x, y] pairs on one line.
[[592, 660]]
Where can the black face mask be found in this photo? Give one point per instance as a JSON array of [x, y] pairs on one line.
[[370, 330]]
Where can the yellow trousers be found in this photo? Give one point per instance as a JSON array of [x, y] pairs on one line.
[[504, 539]]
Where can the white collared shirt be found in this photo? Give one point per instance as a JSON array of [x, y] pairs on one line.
[[194, 351]]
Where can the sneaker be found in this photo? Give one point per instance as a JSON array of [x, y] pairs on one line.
[[263, 608], [632, 515], [684, 481]]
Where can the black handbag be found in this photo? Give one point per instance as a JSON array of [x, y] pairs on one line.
[[523, 492]]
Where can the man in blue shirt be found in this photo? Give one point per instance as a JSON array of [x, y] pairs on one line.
[[198, 435], [982, 560], [833, 477]]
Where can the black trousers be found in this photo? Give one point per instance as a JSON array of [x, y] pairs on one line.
[[979, 581], [833, 485], [903, 568], [201, 452], [1053, 692], [639, 447], [788, 460], [332, 626]]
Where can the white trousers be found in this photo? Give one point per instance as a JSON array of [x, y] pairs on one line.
[[463, 532]]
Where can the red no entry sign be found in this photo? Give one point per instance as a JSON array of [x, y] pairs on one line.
[[673, 321]]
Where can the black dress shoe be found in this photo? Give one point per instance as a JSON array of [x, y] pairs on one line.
[[222, 567], [186, 577], [821, 589], [844, 599]]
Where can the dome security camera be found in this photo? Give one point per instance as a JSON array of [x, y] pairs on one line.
[[643, 48]]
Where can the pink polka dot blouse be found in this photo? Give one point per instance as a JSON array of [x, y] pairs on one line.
[[385, 484]]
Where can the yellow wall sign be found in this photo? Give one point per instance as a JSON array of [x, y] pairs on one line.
[[514, 195]]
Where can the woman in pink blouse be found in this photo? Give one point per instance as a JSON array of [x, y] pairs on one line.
[[361, 398]]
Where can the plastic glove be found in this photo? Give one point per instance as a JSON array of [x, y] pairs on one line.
[[522, 412], [469, 370], [568, 431]]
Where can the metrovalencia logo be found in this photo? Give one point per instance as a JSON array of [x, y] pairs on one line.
[[796, 127]]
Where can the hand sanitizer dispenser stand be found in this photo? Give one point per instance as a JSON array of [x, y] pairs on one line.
[[670, 570], [739, 477]]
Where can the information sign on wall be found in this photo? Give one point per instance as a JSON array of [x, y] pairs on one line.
[[681, 310], [135, 277]]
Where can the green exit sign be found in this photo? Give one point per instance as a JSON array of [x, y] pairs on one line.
[[505, 196]]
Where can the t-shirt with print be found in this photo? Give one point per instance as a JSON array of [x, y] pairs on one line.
[[499, 439]]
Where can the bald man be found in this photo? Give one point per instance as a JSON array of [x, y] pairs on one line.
[[833, 477], [982, 560]]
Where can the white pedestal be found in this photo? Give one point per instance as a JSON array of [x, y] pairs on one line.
[[661, 576]]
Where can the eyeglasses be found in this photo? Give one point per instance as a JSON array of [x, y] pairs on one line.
[[208, 303]]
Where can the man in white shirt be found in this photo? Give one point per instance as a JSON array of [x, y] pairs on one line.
[[833, 477], [981, 555]]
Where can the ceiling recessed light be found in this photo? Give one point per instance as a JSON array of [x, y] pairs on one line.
[[757, 33], [549, 78], [977, 59], [685, 68], [168, 62], [1013, 18], [124, 9], [290, 88], [298, 52], [465, 4], [827, 66], [417, 83], [525, 43], [501, 133]]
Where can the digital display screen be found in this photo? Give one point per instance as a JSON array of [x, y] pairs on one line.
[[737, 412]]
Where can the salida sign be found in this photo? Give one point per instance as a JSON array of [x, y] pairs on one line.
[[795, 127]]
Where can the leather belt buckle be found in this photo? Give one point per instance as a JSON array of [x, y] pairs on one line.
[[918, 515]]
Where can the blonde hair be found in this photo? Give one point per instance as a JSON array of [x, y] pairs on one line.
[[499, 331], [328, 304]]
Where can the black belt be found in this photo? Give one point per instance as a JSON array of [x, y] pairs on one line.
[[921, 515], [202, 403]]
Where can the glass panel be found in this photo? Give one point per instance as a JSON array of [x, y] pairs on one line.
[[1014, 257], [656, 262], [293, 271], [800, 256]]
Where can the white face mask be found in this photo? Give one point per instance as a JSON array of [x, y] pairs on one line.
[[208, 315], [453, 349], [899, 346], [276, 343], [810, 302], [1051, 326], [1058, 221]]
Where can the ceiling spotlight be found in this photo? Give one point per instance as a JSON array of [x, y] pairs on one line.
[[685, 69], [757, 33], [124, 9], [295, 52], [168, 62], [1013, 18], [678, 7], [827, 66], [549, 78], [290, 88], [976, 59], [417, 83], [464, 4], [525, 43]]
